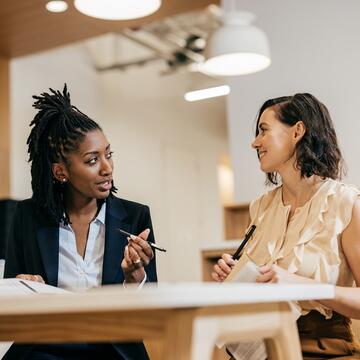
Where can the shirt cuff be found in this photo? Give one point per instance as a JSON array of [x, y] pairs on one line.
[[140, 285]]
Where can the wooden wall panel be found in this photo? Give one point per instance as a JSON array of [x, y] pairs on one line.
[[4, 128]]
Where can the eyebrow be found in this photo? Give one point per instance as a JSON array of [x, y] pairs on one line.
[[95, 152]]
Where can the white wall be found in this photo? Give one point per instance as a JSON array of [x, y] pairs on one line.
[[166, 150], [315, 48]]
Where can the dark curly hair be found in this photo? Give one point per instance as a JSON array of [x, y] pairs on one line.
[[317, 153], [58, 129]]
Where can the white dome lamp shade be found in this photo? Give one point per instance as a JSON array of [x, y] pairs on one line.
[[237, 48], [117, 9]]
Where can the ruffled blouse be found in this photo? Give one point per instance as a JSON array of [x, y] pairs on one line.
[[309, 244]]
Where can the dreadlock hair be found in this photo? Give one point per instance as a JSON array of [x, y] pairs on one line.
[[318, 152], [58, 128]]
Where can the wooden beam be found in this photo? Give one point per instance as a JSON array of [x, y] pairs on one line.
[[5, 128]]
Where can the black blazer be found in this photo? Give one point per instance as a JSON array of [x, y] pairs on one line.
[[33, 248]]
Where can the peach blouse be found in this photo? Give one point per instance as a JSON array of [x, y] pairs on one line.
[[309, 244]]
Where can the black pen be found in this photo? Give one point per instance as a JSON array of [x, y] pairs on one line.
[[247, 237], [28, 286], [154, 246]]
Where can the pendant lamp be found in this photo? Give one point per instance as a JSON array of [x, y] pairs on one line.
[[117, 9], [237, 48]]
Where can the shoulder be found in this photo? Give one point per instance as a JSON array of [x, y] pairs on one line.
[[343, 199], [127, 204], [343, 195], [347, 191], [263, 202], [26, 206], [129, 208]]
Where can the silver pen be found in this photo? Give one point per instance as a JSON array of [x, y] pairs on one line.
[[154, 246]]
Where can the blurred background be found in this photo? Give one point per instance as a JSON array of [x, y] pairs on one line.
[[191, 162]]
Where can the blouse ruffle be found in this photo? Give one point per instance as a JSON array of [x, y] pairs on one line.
[[310, 243]]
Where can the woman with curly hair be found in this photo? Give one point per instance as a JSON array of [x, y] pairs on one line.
[[67, 234], [308, 226]]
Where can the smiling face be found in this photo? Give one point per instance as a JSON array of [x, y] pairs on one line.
[[275, 142], [88, 170]]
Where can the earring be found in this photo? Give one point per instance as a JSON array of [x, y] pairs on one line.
[[63, 180]]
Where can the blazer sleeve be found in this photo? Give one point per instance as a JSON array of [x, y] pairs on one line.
[[145, 223], [14, 257]]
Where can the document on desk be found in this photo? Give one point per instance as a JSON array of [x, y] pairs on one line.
[[20, 287], [247, 350], [246, 271]]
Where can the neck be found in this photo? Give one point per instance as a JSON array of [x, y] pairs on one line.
[[297, 190], [80, 206]]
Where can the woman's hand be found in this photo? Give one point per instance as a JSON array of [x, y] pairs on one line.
[[36, 278], [137, 254], [223, 268], [276, 274]]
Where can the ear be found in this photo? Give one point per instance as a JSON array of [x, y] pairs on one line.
[[299, 131], [59, 172]]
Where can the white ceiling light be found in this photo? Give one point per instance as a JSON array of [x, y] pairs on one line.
[[207, 93], [117, 9], [237, 48], [56, 6]]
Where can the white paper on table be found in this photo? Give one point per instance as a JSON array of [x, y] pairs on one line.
[[251, 350], [248, 273], [16, 287], [247, 350]]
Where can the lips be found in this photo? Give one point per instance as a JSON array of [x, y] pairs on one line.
[[105, 185], [261, 154]]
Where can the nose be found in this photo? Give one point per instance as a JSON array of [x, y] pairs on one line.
[[106, 168], [255, 144]]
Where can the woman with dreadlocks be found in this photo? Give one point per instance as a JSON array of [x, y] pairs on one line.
[[67, 234]]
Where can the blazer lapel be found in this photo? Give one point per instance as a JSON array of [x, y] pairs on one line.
[[115, 242], [48, 240]]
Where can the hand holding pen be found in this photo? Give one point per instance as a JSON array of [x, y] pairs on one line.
[[137, 254], [133, 237], [225, 265]]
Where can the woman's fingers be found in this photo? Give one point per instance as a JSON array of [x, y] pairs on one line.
[[138, 258], [228, 259], [215, 276], [264, 269], [127, 258], [132, 266], [141, 245], [221, 274], [224, 266], [268, 276], [144, 253], [37, 278]]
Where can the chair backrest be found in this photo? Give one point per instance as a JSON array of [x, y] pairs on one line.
[[7, 210]]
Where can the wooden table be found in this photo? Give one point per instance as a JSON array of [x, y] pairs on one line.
[[188, 318]]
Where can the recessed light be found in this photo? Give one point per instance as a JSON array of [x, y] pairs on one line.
[[56, 6], [207, 93]]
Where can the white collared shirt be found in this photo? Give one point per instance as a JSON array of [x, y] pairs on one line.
[[77, 273]]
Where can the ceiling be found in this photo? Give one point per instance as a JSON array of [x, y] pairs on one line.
[[178, 41], [27, 27]]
